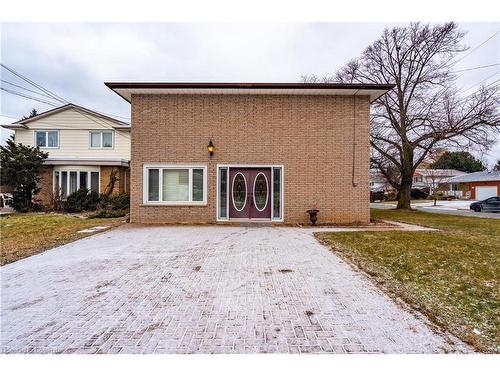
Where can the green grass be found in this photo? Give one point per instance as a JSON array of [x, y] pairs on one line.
[[412, 201], [451, 275], [23, 235]]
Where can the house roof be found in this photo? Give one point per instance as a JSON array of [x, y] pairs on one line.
[[437, 172], [477, 177], [21, 124], [126, 89]]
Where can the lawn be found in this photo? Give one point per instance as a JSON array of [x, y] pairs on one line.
[[413, 201], [451, 275], [23, 235]]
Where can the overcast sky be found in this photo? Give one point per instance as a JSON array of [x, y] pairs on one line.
[[73, 60]]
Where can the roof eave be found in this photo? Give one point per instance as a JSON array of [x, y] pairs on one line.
[[14, 126], [88, 161], [120, 87]]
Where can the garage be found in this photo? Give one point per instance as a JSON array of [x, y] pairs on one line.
[[485, 192], [479, 185]]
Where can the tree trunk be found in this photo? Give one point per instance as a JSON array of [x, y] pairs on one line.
[[404, 197], [404, 192], [28, 198]]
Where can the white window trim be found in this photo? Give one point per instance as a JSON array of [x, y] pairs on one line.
[[68, 170], [282, 192], [101, 147], [190, 202], [46, 131]]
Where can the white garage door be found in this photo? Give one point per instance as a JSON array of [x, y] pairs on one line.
[[485, 192]]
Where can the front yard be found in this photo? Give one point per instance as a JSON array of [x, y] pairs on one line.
[[23, 235], [451, 275]]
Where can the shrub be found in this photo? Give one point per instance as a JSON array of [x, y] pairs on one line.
[[81, 200], [21, 167], [107, 213], [116, 202], [57, 201]]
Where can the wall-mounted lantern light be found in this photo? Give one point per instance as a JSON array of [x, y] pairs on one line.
[[211, 148]]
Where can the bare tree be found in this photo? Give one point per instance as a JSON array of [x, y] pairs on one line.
[[434, 179], [496, 167], [424, 110]]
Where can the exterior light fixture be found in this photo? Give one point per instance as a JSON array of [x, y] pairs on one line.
[[211, 148]]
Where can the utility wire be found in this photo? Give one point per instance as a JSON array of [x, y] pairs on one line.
[[474, 85], [46, 91], [27, 96], [49, 94], [475, 48], [24, 88], [475, 68]]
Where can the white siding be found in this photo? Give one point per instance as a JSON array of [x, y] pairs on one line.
[[74, 130]]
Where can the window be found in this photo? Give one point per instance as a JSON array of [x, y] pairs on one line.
[[277, 193], [101, 139], [83, 180], [94, 181], [175, 184], [47, 138], [223, 193], [67, 182], [73, 182]]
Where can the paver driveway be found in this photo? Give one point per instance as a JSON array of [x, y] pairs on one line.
[[202, 290]]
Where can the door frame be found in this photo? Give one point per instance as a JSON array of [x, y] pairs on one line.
[[282, 195]]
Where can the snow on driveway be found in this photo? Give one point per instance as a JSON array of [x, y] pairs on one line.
[[206, 289]]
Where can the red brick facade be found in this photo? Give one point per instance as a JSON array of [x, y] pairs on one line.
[[322, 142]]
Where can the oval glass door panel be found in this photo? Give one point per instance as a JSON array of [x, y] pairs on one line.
[[239, 191], [260, 192]]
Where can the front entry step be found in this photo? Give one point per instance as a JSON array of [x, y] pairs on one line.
[[255, 224]]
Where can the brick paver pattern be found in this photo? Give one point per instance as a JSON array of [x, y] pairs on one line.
[[203, 289]]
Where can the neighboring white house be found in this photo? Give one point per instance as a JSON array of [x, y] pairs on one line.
[[85, 149], [437, 180], [378, 183], [427, 180]]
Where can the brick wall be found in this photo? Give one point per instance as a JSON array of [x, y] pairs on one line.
[[122, 182], [45, 195], [312, 136]]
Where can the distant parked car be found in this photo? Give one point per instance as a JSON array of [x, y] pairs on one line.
[[490, 204]]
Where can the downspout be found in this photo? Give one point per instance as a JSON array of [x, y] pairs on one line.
[[354, 182]]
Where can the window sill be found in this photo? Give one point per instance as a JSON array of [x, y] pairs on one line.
[[174, 204]]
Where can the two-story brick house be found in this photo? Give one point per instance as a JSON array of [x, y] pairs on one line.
[[86, 150], [232, 152]]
